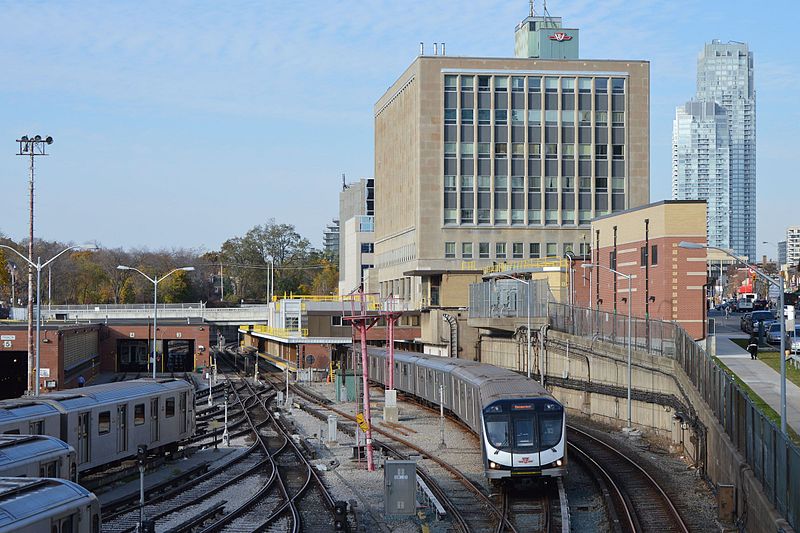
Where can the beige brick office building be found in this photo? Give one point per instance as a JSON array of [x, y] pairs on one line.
[[481, 160]]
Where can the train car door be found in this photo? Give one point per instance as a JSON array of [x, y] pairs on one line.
[[84, 433], [122, 428], [182, 408], [154, 420]]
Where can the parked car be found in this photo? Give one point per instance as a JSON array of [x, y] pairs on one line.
[[756, 317], [774, 333], [743, 321]]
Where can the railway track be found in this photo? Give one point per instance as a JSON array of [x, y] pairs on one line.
[[528, 510], [634, 499], [467, 503]]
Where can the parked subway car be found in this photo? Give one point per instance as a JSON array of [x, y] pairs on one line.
[[34, 505], [105, 423], [36, 456], [521, 425]]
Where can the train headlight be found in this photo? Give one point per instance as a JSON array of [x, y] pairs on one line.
[[559, 462], [492, 464]]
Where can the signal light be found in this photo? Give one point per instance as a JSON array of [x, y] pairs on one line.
[[340, 516]]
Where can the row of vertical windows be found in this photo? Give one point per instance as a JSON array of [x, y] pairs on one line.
[[516, 251], [551, 84], [551, 150]]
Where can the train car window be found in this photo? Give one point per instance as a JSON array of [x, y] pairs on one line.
[[170, 407], [66, 525], [104, 423], [52, 469], [524, 435], [497, 430], [11, 432], [138, 414], [549, 430], [37, 427]]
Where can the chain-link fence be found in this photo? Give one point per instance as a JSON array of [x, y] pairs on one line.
[[773, 457], [508, 298]]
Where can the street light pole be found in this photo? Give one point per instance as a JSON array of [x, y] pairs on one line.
[[770, 280], [155, 281]]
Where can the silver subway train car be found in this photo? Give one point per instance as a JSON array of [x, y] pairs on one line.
[[36, 456], [105, 423], [35, 505], [521, 425]]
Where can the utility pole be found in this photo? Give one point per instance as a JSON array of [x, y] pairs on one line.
[[31, 147]]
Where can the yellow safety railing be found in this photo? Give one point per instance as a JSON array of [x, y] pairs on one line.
[[525, 264], [370, 298], [280, 332]]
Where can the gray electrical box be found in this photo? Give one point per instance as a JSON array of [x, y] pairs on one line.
[[400, 488]]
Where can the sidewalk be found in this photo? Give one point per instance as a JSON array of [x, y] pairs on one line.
[[764, 381]]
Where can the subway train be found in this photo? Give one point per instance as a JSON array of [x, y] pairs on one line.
[[105, 423], [521, 426], [36, 456], [34, 505]]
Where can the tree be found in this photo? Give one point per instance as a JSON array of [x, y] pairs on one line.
[[178, 288], [326, 281], [5, 274]]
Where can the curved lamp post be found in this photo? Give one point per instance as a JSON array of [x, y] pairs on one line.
[[155, 281]]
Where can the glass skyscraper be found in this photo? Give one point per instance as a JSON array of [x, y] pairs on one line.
[[724, 78]]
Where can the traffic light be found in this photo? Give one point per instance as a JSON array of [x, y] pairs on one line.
[[141, 454], [340, 516]]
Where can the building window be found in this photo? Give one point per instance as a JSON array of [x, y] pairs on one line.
[[534, 150], [500, 250], [584, 151], [483, 84], [336, 320], [568, 151], [367, 247], [483, 250], [501, 150], [618, 118], [501, 84], [534, 117], [467, 115], [566, 247], [643, 256], [517, 250], [449, 149], [450, 83], [500, 116], [467, 83], [600, 118], [449, 250], [466, 250], [517, 117], [586, 249], [518, 150], [534, 85], [534, 251], [552, 249], [517, 84], [584, 117], [551, 85], [618, 151], [618, 85], [104, 422], [612, 260], [568, 85], [654, 255], [551, 150], [467, 149], [601, 151], [601, 85], [484, 116], [450, 116], [484, 150], [585, 85]]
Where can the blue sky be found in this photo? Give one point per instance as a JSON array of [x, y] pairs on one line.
[[181, 124]]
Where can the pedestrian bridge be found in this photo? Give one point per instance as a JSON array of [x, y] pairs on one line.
[[217, 315]]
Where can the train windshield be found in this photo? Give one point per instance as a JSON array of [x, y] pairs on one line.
[[525, 433], [497, 430], [549, 430]]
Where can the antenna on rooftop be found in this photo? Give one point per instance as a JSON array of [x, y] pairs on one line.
[[344, 185], [532, 8]]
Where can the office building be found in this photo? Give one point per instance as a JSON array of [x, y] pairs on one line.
[[330, 240], [701, 164], [725, 78], [482, 160], [357, 239], [793, 245]]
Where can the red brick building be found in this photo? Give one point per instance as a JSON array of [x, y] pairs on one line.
[[68, 351], [667, 282]]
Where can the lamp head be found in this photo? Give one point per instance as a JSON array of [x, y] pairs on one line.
[[37, 138], [187, 269], [88, 247], [24, 138], [49, 140], [691, 245], [587, 265], [123, 267]]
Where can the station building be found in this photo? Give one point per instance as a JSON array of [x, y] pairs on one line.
[[667, 282], [486, 160], [68, 351]]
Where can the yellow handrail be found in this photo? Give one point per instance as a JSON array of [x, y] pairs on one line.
[[525, 264], [280, 332]]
